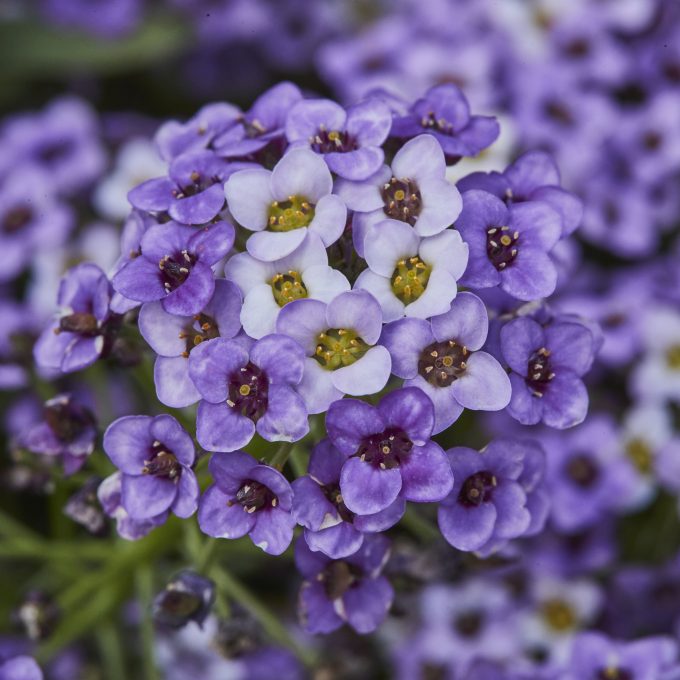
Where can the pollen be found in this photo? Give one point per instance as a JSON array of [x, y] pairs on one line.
[[410, 279]]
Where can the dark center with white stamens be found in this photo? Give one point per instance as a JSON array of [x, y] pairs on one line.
[[294, 213], [16, 219], [333, 141], [249, 391], [339, 347], [582, 470], [443, 362], [198, 184], [162, 463], [409, 279], [254, 496], [402, 200], [477, 489], [67, 420], [334, 496], [468, 624], [539, 372], [203, 327], [501, 246], [337, 578], [385, 450], [613, 673], [432, 122], [175, 269], [287, 287]]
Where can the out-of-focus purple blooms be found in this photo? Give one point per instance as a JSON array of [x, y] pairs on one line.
[[20, 668], [16, 334], [37, 614], [349, 140], [68, 430], [175, 266], [339, 340], [173, 338], [534, 176], [351, 591], [318, 505], [62, 141], [389, 451], [109, 19], [444, 113], [282, 205], [193, 191], [442, 357], [487, 502], [547, 363], [269, 286], [245, 391], [509, 246], [84, 329], [110, 497], [187, 596], [408, 275], [83, 507], [594, 655], [155, 456], [247, 498], [587, 477], [413, 190]]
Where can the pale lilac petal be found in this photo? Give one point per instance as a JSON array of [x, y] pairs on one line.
[[386, 243], [485, 386], [436, 299], [269, 245], [303, 320], [219, 519], [127, 442], [286, 417], [366, 489], [363, 196], [187, 495], [249, 197], [221, 428], [301, 172], [330, 218], [356, 165], [446, 409], [419, 158], [442, 204], [467, 322], [356, 310], [324, 283], [405, 340], [366, 605], [380, 288], [366, 376], [247, 272], [467, 528], [260, 311], [447, 251], [317, 388], [162, 330]]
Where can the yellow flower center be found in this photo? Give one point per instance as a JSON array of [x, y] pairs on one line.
[[410, 278], [295, 213], [339, 347], [288, 287]]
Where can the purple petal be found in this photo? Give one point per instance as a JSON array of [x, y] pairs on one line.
[[383, 520], [410, 410], [221, 428], [565, 402], [280, 357], [273, 530], [530, 171], [513, 517], [145, 496], [571, 346], [168, 431], [212, 243], [303, 320], [154, 195], [286, 416], [520, 338], [467, 322], [230, 470], [187, 495], [367, 489], [326, 462], [127, 442], [349, 421], [140, 280], [531, 276], [174, 386], [485, 386], [356, 165], [426, 474], [162, 330], [311, 509], [199, 208], [524, 406], [405, 340], [467, 528], [367, 603], [315, 609], [211, 364], [366, 376], [337, 541], [219, 519], [306, 118], [446, 409], [190, 297]]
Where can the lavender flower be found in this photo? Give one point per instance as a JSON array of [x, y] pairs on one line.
[[351, 591], [248, 390], [20, 667], [281, 206], [155, 456], [349, 140], [247, 498], [339, 339], [175, 266]]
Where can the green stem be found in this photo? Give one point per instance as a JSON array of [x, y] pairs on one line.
[[419, 526], [144, 587], [280, 458], [111, 651]]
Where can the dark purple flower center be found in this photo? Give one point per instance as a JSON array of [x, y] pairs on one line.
[[333, 141], [199, 183], [437, 123], [477, 489], [249, 391], [539, 372], [175, 269], [55, 150], [501, 246], [430, 670], [582, 470], [613, 673], [202, 328], [162, 463], [385, 450], [338, 577], [443, 362], [468, 624], [334, 496], [559, 112], [67, 420], [83, 323], [16, 219], [402, 200], [254, 496]]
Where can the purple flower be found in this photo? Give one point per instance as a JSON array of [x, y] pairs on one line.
[[85, 325], [20, 667], [282, 205], [351, 591], [188, 596], [175, 266], [318, 505], [68, 430], [173, 338], [409, 275], [442, 357], [248, 390], [247, 498], [547, 364], [413, 189], [109, 494], [349, 140], [444, 113], [532, 177], [268, 286], [487, 502], [110, 19], [595, 656], [155, 456], [389, 451], [338, 339], [262, 125], [509, 246], [193, 191]]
